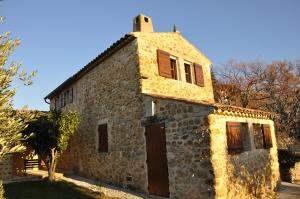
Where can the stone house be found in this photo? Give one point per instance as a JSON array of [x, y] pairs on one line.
[[149, 123]]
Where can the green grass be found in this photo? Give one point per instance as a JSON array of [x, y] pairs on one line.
[[47, 190]]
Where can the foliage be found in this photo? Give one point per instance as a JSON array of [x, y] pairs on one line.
[[287, 160], [272, 87], [51, 135], [11, 122]]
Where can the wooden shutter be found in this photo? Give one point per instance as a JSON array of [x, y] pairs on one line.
[[164, 64], [102, 138], [199, 78], [267, 136], [234, 138]]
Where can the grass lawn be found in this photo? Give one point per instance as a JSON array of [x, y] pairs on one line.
[[47, 190]]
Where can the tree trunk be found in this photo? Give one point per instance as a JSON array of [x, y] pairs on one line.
[[51, 174], [52, 166]]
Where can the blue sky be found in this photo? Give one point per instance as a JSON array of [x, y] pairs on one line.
[[60, 37]]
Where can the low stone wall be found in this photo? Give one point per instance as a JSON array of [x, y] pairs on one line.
[[251, 174], [6, 171], [295, 173]]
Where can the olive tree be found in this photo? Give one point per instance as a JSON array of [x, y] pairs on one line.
[[50, 137]]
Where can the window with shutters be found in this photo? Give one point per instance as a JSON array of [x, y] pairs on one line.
[[164, 64], [173, 68], [262, 136], [167, 65], [188, 73], [267, 136], [258, 136], [234, 137], [102, 138], [199, 78]]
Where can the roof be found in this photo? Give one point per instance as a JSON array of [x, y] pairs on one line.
[[223, 109], [236, 111], [92, 64]]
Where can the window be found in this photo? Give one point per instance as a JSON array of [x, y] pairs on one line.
[[187, 70], [258, 136], [63, 99], [167, 65], [234, 137], [146, 19], [102, 138], [199, 78], [71, 95], [262, 136], [173, 68], [267, 136]]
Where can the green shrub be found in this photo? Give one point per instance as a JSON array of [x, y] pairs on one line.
[[287, 160]]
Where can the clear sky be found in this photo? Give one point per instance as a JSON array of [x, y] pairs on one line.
[[60, 36]]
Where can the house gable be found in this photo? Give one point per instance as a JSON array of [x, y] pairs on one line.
[[155, 82]]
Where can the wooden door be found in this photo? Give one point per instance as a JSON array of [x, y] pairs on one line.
[[158, 177]]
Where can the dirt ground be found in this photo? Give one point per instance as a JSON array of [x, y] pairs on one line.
[[289, 191]]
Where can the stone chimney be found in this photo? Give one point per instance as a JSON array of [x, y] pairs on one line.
[[142, 23]]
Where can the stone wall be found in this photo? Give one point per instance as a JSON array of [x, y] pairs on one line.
[[295, 173], [250, 174], [177, 46], [6, 171], [188, 147], [109, 93]]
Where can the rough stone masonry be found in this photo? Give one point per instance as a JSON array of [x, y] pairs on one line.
[[123, 88]]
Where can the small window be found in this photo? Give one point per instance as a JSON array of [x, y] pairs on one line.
[[187, 69], [71, 95], [65, 98], [146, 19], [173, 68], [102, 138], [234, 137], [262, 136], [258, 136], [267, 136], [61, 101]]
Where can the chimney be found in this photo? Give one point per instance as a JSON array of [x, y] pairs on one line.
[[142, 23]]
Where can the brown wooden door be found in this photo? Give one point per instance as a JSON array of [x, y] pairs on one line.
[[158, 177]]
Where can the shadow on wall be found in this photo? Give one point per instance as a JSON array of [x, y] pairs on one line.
[[247, 180]]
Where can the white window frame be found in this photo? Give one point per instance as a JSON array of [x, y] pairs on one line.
[[191, 70], [177, 67]]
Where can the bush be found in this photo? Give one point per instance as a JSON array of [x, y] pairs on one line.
[[287, 160]]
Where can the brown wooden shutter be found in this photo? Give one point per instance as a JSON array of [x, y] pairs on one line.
[[199, 78], [234, 138], [102, 138], [164, 64], [267, 136]]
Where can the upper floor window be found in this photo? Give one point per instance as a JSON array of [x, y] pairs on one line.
[[188, 73], [63, 99], [168, 67], [173, 68], [199, 78]]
